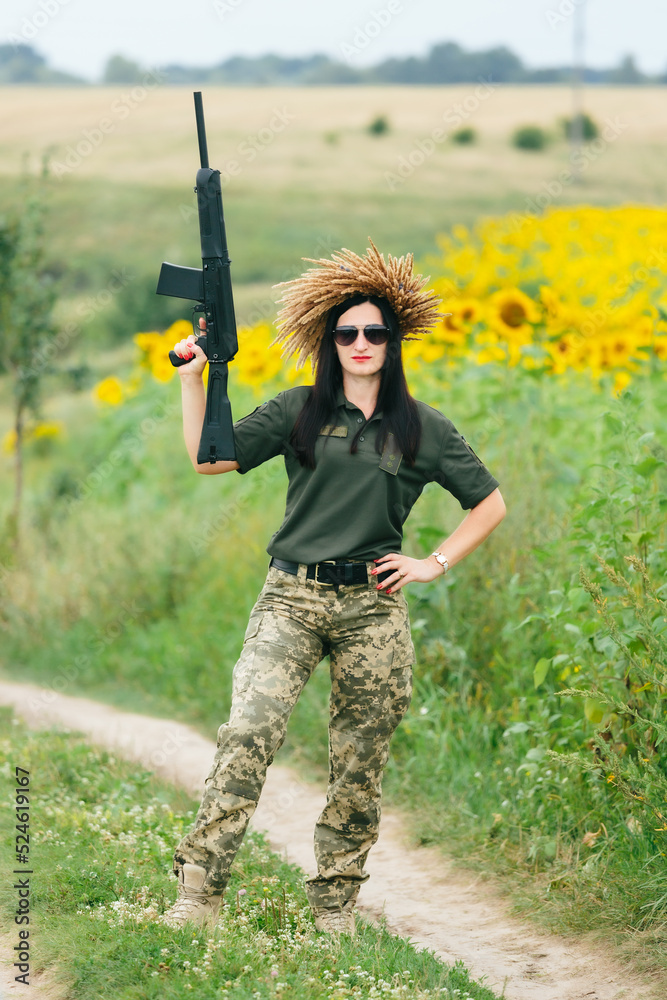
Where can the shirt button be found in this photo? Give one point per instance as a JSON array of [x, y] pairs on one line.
[[362, 438], [360, 420]]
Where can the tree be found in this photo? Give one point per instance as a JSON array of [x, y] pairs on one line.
[[27, 296], [21, 64], [121, 70], [626, 72]]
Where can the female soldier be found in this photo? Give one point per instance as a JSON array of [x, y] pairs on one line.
[[358, 451]]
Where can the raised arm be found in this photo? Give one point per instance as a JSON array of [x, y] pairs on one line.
[[194, 404]]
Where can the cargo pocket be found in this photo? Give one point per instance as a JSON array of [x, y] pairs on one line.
[[242, 673]]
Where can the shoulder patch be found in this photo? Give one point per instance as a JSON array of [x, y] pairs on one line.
[[335, 432]]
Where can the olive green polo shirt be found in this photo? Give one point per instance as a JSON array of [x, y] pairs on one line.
[[349, 506]]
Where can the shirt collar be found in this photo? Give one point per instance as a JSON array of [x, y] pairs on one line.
[[342, 401]]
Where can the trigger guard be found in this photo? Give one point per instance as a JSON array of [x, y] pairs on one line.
[[196, 329]]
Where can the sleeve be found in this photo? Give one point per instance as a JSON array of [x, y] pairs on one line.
[[261, 435], [461, 472]]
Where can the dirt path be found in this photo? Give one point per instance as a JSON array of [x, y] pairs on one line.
[[421, 895]]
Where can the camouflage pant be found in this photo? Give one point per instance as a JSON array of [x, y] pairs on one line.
[[294, 624]]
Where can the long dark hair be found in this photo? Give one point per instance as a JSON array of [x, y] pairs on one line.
[[399, 410]]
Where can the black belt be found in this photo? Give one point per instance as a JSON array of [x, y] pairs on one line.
[[334, 574]]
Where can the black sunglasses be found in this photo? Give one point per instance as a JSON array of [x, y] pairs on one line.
[[374, 334]]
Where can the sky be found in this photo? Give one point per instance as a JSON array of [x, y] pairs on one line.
[[79, 35]]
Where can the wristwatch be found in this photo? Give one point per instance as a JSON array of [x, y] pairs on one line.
[[442, 560]]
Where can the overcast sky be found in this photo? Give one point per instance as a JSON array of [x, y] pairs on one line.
[[80, 35]]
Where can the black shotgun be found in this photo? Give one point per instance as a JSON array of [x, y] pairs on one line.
[[211, 288]]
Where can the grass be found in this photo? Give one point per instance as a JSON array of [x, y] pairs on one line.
[[102, 832]]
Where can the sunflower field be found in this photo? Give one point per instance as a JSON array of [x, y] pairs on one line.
[[574, 290]]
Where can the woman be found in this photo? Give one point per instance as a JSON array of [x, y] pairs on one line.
[[358, 451]]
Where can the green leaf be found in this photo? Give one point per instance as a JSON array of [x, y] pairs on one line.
[[613, 423], [530, 618], [517, 727], [561, 658], [536, 753], [648, 466], [578, 598], [540, 672], [638, 538], [550, 850], [594, 710]]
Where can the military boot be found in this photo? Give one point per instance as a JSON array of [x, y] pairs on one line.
[[336, 920], [192, 905]]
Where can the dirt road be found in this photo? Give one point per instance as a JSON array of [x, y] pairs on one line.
[[422, 896]]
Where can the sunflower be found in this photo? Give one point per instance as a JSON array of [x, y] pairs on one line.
[[109, 391], [659, 346], [618, 349], [257, 362], [512, 312], [621, 382], [566, 352]]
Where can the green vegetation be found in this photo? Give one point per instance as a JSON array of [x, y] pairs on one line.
[[102, 833], [530, 137], [588, 128], [27, 296], [464, 136], [20, 63], [135, 568], [380, 125], [445, 63]]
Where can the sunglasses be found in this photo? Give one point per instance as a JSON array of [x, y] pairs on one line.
[[374, 334]]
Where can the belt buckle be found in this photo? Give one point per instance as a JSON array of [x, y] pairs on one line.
[[325, 583]]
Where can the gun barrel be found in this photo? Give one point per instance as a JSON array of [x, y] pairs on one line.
[[201, 129]]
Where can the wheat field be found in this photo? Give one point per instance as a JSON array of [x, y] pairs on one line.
[[316, 137]]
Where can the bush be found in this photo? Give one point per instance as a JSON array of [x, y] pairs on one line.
[[379, 126], [530, 137], [589, 129], [464, 136]]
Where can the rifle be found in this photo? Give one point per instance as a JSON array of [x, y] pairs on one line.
[[211, 288]]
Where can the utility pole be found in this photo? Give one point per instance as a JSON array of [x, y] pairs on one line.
[[577, 127]]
